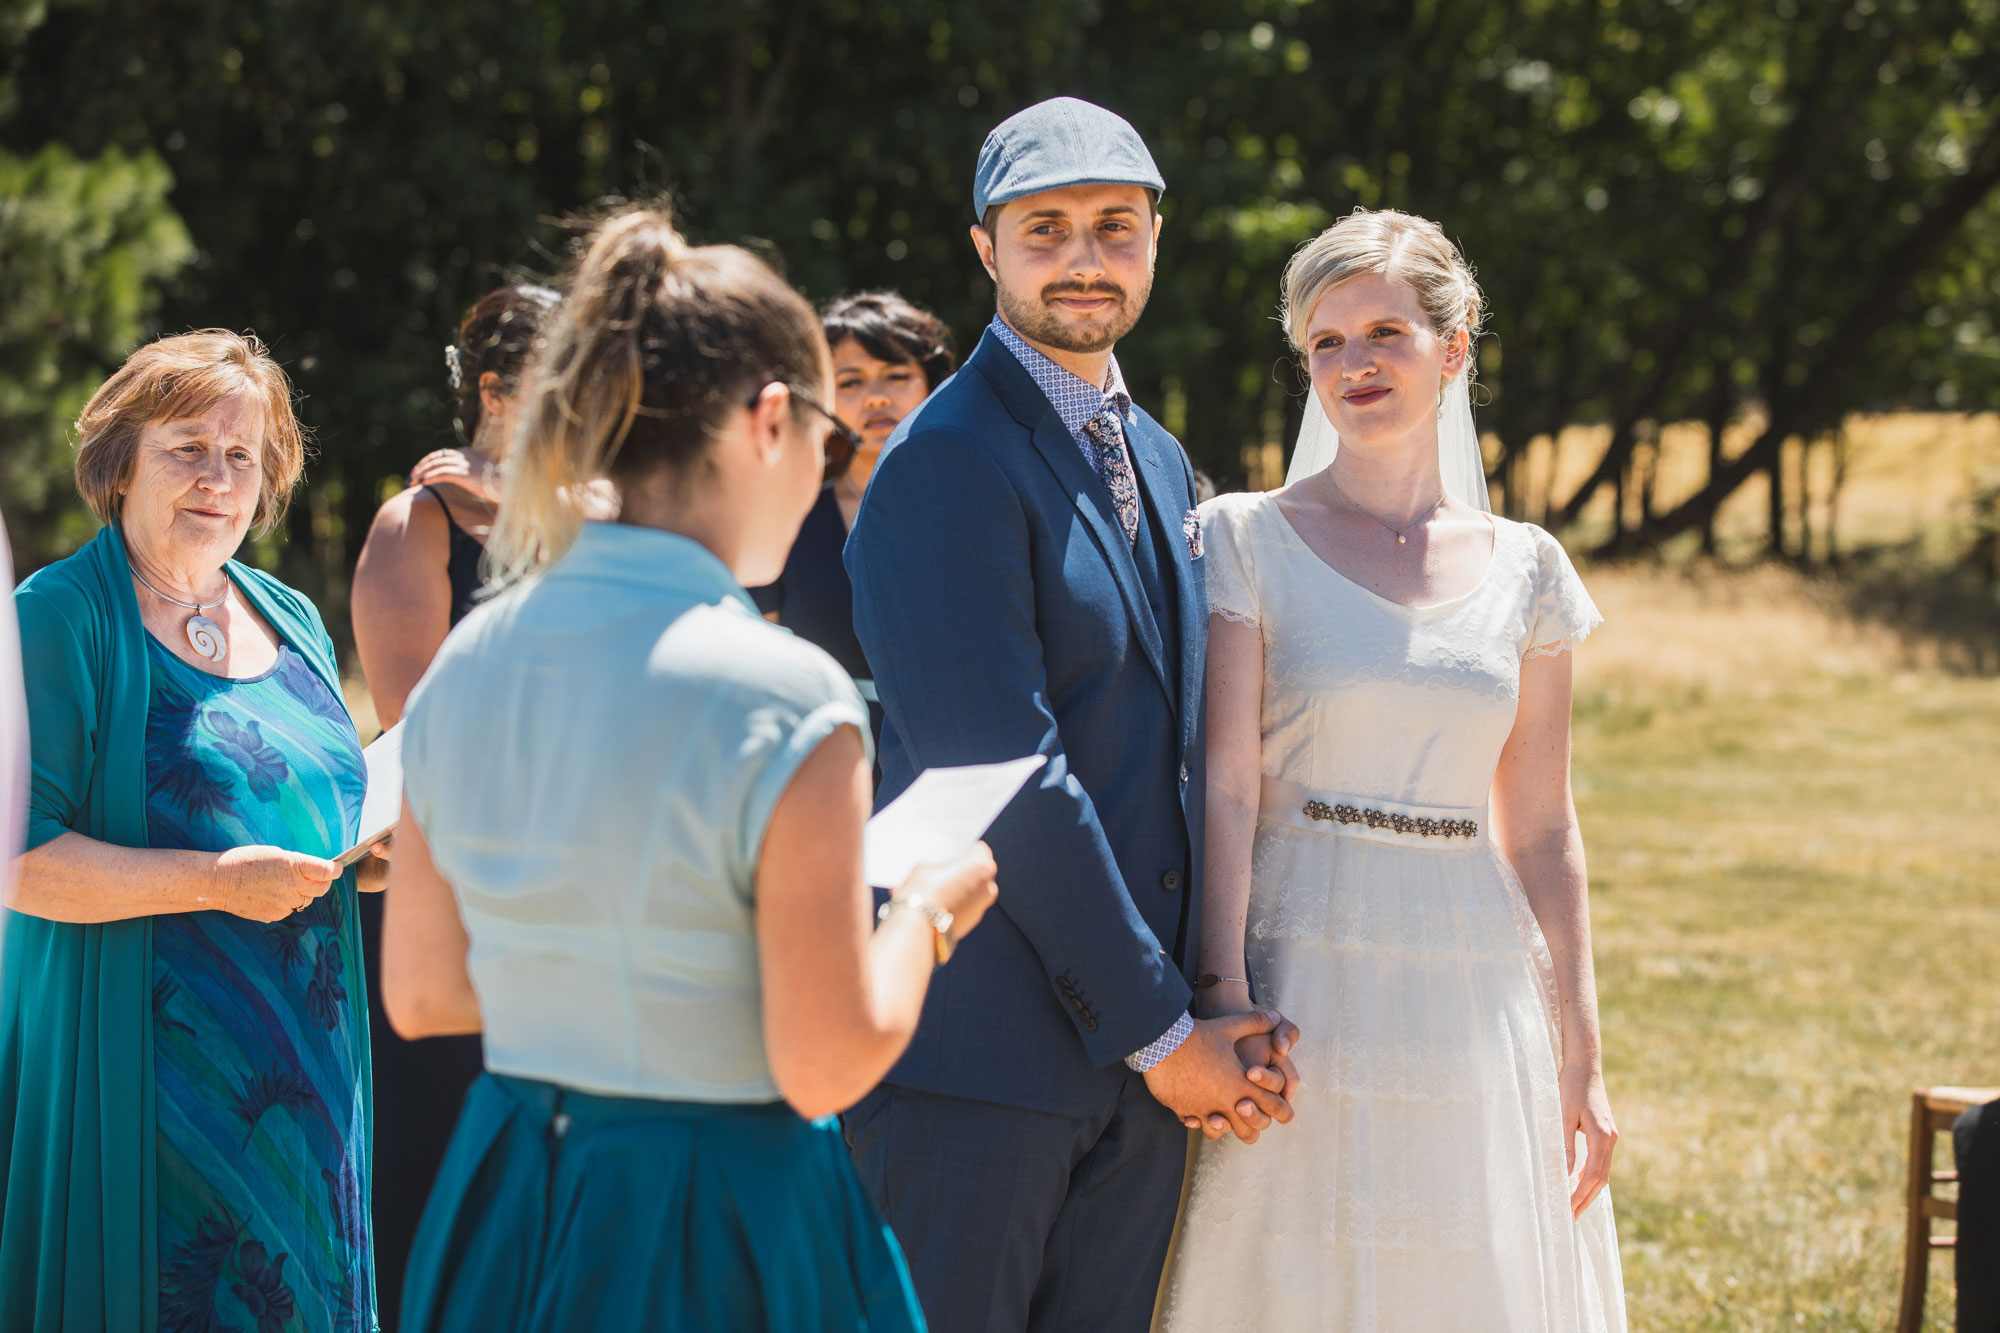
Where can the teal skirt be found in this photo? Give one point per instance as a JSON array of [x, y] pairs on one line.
[[559, 1209]]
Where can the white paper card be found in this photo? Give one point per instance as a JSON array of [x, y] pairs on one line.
[[383, 804], [938, 817]]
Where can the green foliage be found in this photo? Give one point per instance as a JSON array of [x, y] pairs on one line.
[[1678, 207], [84, 247]]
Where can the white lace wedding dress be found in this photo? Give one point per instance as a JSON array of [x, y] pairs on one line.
[[1422, 1186]]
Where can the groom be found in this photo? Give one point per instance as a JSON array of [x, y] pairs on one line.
[[1027, 580]]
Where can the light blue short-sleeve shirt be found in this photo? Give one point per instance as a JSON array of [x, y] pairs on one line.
[[594, 757]]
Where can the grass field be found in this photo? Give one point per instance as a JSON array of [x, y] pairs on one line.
[[1796, 883], [1795, 857]]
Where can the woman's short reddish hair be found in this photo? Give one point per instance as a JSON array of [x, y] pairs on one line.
[[171, 379]]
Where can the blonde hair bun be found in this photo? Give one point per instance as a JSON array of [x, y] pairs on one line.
[[1408, 248]]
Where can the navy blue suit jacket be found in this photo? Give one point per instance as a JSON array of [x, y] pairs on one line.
[[1004, 614]]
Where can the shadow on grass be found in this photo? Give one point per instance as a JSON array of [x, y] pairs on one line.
[[1948, 614]]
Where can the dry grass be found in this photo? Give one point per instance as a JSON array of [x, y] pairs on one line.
[[1790, 814], [1793, 855], [1695, 631]]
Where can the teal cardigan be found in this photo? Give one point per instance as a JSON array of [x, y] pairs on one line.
[[77, 1246]]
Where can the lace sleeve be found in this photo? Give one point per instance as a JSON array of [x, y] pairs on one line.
[[1228, 572], [1563, 614]]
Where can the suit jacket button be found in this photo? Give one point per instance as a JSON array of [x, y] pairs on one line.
[[1171, 881], [1184, 773]]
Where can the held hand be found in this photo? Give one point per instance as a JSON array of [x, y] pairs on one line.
[[1266, 1057], [454, 467], [1204, 1075], [1586, 1110], [270, 883], [1266, 1061], [964, 887]]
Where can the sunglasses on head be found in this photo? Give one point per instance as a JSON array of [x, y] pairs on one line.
[[842, 440]]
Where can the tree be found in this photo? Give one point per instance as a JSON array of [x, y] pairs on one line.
[[84, 249], [1679, 208]]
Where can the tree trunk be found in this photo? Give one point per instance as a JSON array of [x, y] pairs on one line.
[[1842, 456], [751, 114], [1718, 426], [1775, 548], [1808, 407], [1808, 140], [1651, 455], [1618, 485]]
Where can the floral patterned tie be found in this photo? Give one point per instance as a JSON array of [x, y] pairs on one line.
[[1106, 434]]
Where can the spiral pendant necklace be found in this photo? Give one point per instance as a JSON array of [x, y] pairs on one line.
[[203, 634]]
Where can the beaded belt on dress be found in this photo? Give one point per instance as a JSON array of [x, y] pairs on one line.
[[1366, 817]]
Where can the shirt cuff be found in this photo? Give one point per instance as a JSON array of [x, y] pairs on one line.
[[1162, 1046]]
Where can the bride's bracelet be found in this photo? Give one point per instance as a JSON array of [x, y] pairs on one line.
[[1208, 979]]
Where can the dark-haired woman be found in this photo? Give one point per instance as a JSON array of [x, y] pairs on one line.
[[416, 579], [630, 851], [887, 356], [419, 569]]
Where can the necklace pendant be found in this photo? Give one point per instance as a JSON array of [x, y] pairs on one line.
[[1401, 540], [205, 637]]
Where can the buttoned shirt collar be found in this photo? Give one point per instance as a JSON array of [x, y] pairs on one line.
[[1075, 399]]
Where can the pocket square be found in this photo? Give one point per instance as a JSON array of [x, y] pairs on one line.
[[1191, 528]]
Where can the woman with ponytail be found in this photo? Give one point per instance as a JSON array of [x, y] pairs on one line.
[[630, 853]]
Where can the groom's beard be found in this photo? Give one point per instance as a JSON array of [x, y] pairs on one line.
[[1036, 319]]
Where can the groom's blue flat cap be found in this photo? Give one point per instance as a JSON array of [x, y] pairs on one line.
[[1056, 144]]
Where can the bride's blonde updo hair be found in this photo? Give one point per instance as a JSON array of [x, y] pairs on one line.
[[1408, 248]]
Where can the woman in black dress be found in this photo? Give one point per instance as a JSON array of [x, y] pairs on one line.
[[417, 577], [887, 357]]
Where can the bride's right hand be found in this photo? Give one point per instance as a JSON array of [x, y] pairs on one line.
[[1266, 1056]]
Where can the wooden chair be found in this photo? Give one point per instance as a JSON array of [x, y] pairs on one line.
[[1932, 1111]]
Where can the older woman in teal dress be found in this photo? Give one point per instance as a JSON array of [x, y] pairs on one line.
[[184, 1083]]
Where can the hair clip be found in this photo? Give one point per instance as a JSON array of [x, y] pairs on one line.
[[451, 364]]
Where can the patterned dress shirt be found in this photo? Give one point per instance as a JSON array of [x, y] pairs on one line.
[[1076, 401]]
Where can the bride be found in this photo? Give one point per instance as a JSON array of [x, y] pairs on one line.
[[1393, 855]]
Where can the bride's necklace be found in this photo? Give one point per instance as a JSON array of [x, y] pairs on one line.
[[203, 634], [1402, 534]]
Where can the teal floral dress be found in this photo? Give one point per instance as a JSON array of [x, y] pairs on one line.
[[260, 1032]]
